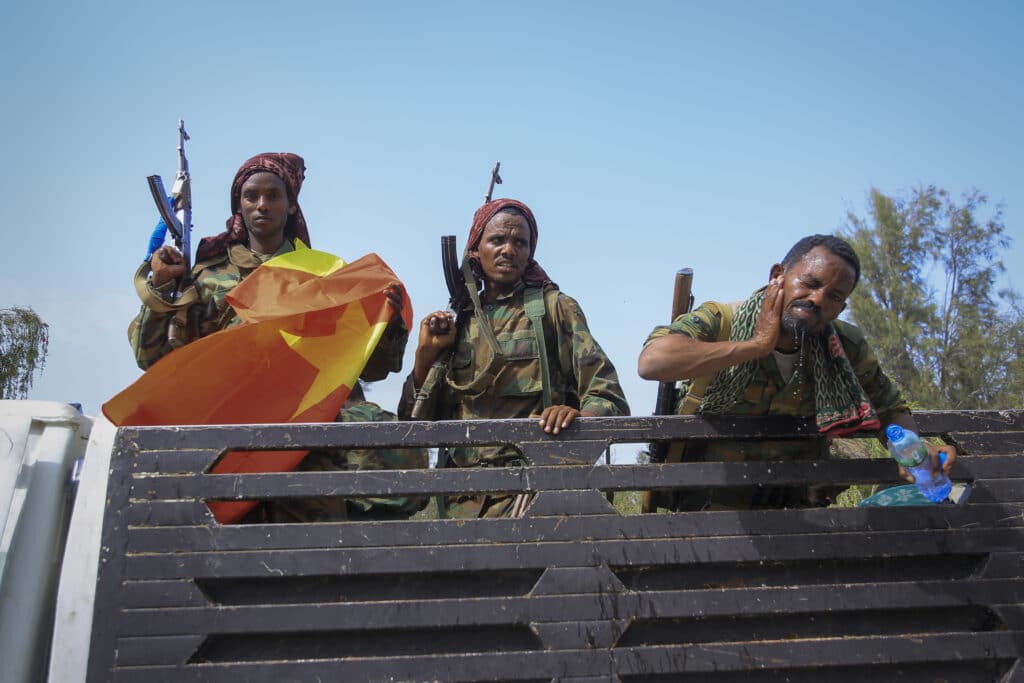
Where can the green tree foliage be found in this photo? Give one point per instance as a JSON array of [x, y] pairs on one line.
[[1009, 344], [928, 301], [24, 341]]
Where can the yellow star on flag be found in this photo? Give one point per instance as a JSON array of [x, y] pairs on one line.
[[337, 364]]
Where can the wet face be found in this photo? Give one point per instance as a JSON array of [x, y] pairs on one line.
[[265, 207], [504, 251], [815, 291]]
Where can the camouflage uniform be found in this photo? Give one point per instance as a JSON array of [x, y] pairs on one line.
[[582, 376], [770, 394], [214, 279]]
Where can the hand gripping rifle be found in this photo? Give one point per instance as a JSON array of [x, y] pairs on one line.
[[462, 288], [176, 215], [682, 302]]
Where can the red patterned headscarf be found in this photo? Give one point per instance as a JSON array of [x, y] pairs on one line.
[[290, 168], [534, 275]]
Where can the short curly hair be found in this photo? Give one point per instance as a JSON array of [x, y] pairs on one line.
[[836, 245]]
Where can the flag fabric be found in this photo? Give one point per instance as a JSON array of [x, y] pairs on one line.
[[309, 324]]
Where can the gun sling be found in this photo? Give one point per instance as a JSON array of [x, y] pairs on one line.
[[535, 309], [157, 303], [534, 305]]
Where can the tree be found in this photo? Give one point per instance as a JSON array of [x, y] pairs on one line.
[[24, 341], [928, 302], [1009, 343]]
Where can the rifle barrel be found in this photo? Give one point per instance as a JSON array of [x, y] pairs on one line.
[[495, 178]]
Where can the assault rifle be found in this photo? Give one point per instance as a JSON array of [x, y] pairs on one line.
[[458, 278], [176, 210], [176, 216], [682, 302], [454, 270], [462, 287]]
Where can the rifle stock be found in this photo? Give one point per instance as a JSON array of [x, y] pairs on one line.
[[682, 302]]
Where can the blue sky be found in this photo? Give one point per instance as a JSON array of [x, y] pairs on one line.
[[645, 136]]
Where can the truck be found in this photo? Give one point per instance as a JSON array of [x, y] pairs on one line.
[[114, 568]]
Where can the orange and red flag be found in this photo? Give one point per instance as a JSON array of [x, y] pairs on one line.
[[310, 323]]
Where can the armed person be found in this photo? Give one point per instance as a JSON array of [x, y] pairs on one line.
[[780, 352], [266, 220], [501, 362]]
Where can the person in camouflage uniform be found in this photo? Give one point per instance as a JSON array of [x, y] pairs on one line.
[[786, 354], [266, 221], [502, 243]]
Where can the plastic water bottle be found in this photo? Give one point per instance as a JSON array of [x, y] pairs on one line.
[[907, 449]]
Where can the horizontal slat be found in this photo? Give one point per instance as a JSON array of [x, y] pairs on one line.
[[698, 659], [990, 443], [814, 652], [259, 563], [569, 528], [163, 650], [170, 462], [1004, 565], [604, 477], [633, 429], [1007, 491], [164, 512], [345, 616], [453, 432], [970, 467], [1011, 615], [141, 594], [946, 421]]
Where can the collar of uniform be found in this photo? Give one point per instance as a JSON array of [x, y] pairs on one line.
[[518, 289], [241, 255]]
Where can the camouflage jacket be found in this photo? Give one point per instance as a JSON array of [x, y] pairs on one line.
[[213, 279], [356, 409], [770, 394], [581, 374]]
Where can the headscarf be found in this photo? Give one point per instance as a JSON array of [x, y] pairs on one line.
[[534, 276], [840, 404], [290, 168]]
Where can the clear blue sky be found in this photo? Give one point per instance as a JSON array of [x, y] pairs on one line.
[[646, 136]]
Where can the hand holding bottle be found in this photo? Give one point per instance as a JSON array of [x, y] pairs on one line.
[[916, 462]]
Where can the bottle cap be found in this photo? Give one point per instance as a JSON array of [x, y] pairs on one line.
[[894, 432]]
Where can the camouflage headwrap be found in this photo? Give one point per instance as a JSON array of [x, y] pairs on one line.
[[291, 169], [534, 275]]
